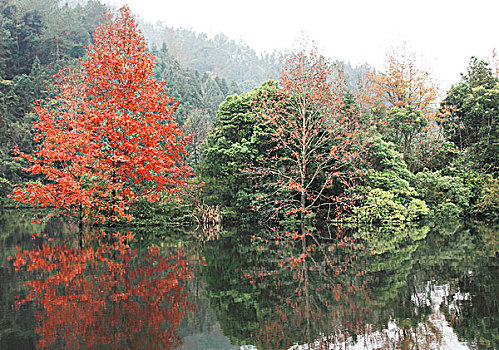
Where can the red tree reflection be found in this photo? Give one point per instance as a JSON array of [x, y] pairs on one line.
[[334, 294], [106, 297], [316, 288]]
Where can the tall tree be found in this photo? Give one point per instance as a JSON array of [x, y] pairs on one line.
[[471, 114], [236, 139], [108, 136], [402, 101], [315, 140]]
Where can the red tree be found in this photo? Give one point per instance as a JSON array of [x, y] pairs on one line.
[[315, 137], [107, 137]]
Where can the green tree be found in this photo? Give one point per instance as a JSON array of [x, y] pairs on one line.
[[402, 126], [447, 195], [386, 195], [236, 140], [471, 115]]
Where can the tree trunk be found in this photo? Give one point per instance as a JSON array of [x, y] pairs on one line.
[[80, 228], [302, 213]]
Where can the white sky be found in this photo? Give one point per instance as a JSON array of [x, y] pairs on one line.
[[444, 34]]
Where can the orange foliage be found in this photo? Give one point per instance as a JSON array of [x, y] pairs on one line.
[[402, 84], [108, 136]]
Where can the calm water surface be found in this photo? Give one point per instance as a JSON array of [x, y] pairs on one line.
[[424, 287]]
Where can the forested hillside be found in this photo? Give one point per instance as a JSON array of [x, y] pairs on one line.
[[220, 55], [37, 39], [235, 61]]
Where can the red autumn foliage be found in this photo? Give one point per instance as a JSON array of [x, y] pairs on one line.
[[107, 137], [316, 140], [106, 297]]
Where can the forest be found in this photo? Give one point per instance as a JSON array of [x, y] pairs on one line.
[[140, 152]]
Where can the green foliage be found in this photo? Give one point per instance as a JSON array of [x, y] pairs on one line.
[[382, 207], [447, 195], [387, 170], [235, 141], [164, 213], [480, 188], [487, 205], [447, 212], [193, 90], [389, 197], [436, 154], [402, 126], [5, 188], [471, 115], [416, 209]]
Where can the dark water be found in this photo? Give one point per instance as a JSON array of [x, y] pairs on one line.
[[420, 287]]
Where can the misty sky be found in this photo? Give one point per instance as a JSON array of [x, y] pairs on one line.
[[444, 34]]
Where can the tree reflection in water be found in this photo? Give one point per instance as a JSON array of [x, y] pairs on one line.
[[106, 295], [420, 289], [293, 288], [319, 287], [280, 290]]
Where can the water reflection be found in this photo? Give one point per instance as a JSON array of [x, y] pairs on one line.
[[424, 287], [279, 291], [105, 295], [290, 289]]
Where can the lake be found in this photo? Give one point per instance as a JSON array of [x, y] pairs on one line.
[[426, 286]]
